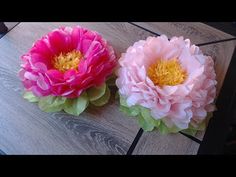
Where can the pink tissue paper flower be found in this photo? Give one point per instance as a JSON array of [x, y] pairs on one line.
[[66, 62], [171, 78]]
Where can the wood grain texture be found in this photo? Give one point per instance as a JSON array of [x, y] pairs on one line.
[[196, 32], [25, 129], [173, 144]]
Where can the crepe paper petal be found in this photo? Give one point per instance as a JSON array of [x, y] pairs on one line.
[[51, 103], [30, 97], [103, 100], [76, 106], [95, 93]]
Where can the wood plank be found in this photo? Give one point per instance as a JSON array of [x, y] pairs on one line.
[[25, 129], [10, 25], [196, 32], [155, 143], [152, 143]]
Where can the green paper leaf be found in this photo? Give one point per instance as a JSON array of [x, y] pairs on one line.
[[30, 97], [117, 95], [51, 103], [144, 118], [165, 130], [111, 81], [103, 100], [146, 121], [132, 111], [144, 124], [76, 106], [190, 131], [148, 118], [129, 111], [123, 102], [95, 93]]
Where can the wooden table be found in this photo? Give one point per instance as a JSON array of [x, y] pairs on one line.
[[25, 129]]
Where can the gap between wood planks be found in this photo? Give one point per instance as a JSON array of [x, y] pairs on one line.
[[135, 142], [9, 30]]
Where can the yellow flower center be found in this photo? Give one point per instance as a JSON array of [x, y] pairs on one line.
[[167, 72], [66, 61]]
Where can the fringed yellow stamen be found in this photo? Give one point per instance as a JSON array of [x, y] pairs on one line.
[[66, 61], [167, 72]]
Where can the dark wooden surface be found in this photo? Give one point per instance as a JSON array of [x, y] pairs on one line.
[[25, 129], [228, 27]]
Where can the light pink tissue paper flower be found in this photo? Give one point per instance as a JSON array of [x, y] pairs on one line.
[[179, 104]]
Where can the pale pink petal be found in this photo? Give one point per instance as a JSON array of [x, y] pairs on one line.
[[30, 76], [41, 82]]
